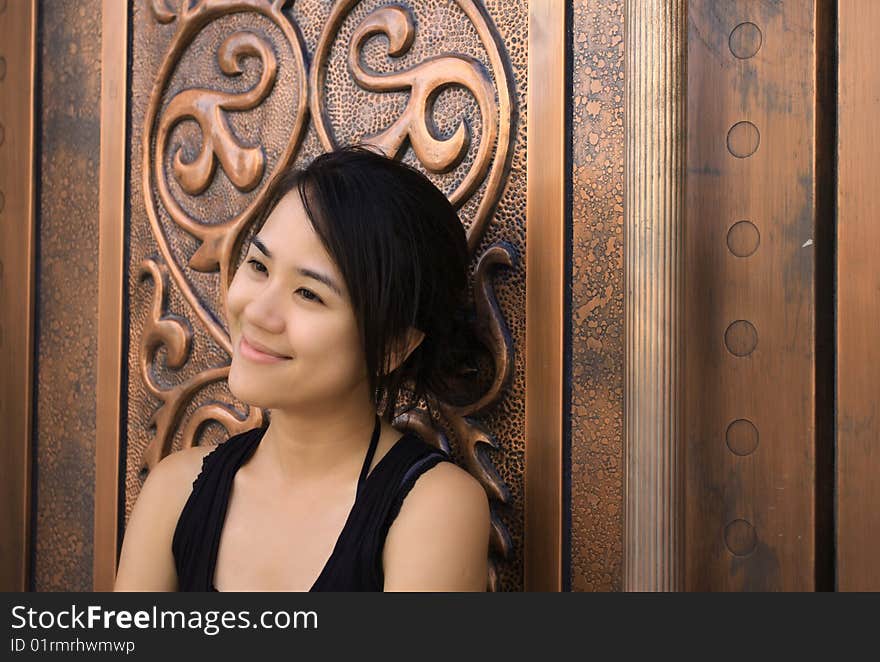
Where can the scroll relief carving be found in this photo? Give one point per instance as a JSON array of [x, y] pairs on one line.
[[471, 167]]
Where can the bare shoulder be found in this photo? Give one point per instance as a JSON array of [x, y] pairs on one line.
[[439, 540], [146, 561], [170, 482], [449, 484], [181, 466]]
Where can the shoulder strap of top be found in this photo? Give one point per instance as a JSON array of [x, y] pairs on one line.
[[371, 452], [197, 535], [356, 563]]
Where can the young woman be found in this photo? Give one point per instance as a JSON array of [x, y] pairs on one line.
[[351, 288]]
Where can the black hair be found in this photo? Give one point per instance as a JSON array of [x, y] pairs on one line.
[[403, 254]]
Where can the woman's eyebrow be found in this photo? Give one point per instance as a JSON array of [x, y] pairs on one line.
[[259, 244], [321, 278]]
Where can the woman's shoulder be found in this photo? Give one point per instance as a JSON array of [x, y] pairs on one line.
[[176, 474], [186, 459], [146, 561], [444, 523], [441, 479], [446, 482], [170, 482], [183, 467]]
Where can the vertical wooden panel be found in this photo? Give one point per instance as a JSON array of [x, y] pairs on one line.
[[545, 269], [858, 291], [17, 253], [751, 243], [114, 56], [656, 51]]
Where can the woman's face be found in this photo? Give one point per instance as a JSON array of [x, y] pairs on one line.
[[289, 299]]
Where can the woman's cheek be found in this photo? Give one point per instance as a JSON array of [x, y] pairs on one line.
[[232, 294], [329, 340], [235, 300]]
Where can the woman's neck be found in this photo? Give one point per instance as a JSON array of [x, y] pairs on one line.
[[301, 447]]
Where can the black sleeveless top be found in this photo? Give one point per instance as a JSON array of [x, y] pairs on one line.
[[356, 561]]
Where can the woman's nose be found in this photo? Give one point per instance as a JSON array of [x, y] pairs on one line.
[[263, 311]]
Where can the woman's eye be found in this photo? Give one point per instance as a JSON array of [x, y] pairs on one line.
[[257, 265], [309, 295]]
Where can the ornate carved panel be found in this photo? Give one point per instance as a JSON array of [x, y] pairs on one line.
[[226, 93]]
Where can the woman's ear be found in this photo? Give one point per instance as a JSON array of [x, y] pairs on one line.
[[412, 340]]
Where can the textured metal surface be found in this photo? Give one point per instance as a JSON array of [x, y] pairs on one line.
[[597, 295], [193, 186], [66, 335]]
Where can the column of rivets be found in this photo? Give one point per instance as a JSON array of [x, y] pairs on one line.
[[741, 336]]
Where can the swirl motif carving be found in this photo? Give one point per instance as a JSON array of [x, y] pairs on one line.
[[243, 165], [424, 82], [161, 12], [248, 169]]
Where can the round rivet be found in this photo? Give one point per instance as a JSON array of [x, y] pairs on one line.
[[742, 437], [740, 537], [743, 139], [745, 40], [741, 338], [743, 238]]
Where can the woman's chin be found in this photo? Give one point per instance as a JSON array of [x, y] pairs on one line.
[[249, 393]]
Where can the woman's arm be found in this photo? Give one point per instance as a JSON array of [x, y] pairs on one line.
[[440, 539], [146, 562]]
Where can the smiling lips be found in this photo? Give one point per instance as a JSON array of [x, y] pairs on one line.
[[259, 353]]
